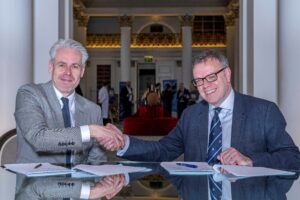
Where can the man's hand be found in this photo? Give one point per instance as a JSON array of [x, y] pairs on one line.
[[110, 138], [231, 156], [109, 186]]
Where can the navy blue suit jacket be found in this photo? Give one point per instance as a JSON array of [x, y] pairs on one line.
[[272, 187], [258, 131]]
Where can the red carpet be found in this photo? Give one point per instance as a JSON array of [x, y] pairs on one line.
[[149, 121]]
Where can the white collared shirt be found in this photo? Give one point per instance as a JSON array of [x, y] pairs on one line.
[[85, 134], [85, 131], [225, 116]]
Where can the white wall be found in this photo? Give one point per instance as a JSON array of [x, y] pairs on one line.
[[51, 21], [15, 56], [270, 51], [16, 69], [259, 63], [289, 69]]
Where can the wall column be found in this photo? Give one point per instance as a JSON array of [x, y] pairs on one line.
[[186, 27], [16, 68], [231, 35], [80, 34], [53, 19], [259, 46], [288, 53], [125, 25], [236, 56], [16, 56]]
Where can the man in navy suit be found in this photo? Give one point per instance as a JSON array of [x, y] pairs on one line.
[[253, 129]]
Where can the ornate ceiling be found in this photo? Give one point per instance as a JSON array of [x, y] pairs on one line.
[[153, 3], [153, 7]]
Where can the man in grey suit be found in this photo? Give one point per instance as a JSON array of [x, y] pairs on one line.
[[253, 129], [42, 133], [59, 187]]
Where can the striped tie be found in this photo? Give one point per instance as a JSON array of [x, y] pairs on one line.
[[67, 123], [215, 139], [215, 188]]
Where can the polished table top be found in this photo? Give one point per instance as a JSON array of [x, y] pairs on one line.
[[157, 184]]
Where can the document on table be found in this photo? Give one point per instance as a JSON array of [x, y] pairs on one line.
[[186, 168], [47, 169], [244, 171], [38, 169], [106, 170]]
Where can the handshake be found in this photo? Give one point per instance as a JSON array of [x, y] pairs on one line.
[[109, 136], [109, 186]]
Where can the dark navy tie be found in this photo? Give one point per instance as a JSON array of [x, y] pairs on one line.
[[215, 139], [214, 149], [215, 188], [67, 122]]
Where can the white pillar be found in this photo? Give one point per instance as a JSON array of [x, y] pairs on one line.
[[260, 48], [125, 25], [16, 68], [187, 50], [15, 57], [80, 31], [230, 30], [289, 70], [51, 21], [236, 55], [125, 53]]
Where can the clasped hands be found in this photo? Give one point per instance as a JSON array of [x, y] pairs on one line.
[[109, 136], [231, 156], [109, 186]]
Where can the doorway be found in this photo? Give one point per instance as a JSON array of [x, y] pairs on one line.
[[146, 77]]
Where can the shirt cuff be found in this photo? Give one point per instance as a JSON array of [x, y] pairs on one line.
[[121, 152], [85, 133], [85, 191]]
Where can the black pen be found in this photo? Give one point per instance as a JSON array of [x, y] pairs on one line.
[[37, 166], [187, 165]]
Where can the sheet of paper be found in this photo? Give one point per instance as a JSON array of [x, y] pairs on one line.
[[245, 171], [106, 170], [37, 169], [182, 168]]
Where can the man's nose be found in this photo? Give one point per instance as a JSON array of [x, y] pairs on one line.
[[68, 70]]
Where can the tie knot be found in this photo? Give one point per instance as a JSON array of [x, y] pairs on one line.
[[65, 101], [218, 109]]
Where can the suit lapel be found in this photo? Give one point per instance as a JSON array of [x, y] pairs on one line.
[[203, 128], [238, 121], [80, 115], [54, 103]]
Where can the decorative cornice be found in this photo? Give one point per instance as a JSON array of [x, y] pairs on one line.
[[234, 6], [125, 21], [187, 20], [79, 13], [233, 12], [229, 19], [155, 40]]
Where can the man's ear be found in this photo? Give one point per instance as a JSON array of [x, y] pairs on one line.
[[228, 74], [82, 72]]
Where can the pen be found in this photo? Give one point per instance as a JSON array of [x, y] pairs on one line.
[[37, 166], [187, 165]]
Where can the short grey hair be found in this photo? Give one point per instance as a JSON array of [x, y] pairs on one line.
[[204, 55], [71, 44]]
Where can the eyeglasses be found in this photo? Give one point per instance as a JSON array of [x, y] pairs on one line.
[[209, 78]]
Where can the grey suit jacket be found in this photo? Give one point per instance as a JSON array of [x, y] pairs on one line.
[[41, 136], [258, 131], [57, 187]]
